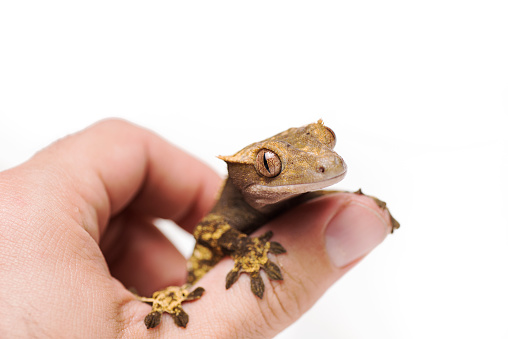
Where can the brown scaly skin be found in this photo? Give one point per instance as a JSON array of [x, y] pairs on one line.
[[265, 179]]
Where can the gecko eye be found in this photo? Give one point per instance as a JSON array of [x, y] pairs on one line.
[[331, 141], [268, 163]]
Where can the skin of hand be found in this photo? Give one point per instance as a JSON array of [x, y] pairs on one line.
[[76, 226]]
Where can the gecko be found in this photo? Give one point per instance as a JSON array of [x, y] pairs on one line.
[[264, 179]]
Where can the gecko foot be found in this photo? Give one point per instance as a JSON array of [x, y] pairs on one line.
[[251, 255], [382, 205], [170, 300]]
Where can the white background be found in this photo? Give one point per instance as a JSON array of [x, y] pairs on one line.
[[417, 93]]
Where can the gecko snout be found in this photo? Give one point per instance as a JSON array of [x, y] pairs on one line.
[[335, 166]]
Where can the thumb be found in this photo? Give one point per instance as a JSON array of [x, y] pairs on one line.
[[324, 238]]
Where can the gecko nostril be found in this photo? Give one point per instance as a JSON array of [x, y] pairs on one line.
[[321, 169]]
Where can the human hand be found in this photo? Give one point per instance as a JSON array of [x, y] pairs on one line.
[[76, 227]]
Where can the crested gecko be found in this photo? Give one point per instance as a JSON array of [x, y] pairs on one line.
[[264, 179]]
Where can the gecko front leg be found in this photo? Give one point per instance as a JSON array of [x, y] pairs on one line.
[[251, 256], [216, 238]]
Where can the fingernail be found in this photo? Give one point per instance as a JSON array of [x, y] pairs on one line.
[[353, 232]]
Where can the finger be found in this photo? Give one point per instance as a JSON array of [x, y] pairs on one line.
[[115, 163], [140, 256], [324, 239]]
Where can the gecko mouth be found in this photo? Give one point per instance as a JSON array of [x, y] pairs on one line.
[[301, 188], [262, 195]]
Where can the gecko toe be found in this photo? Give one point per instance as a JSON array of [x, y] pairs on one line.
[[231, 278], [273, 271], [276, 248], [265, 237], [153, 319], [180, 317], [257, 285]]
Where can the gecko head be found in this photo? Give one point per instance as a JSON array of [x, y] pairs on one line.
[[290, 163]]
